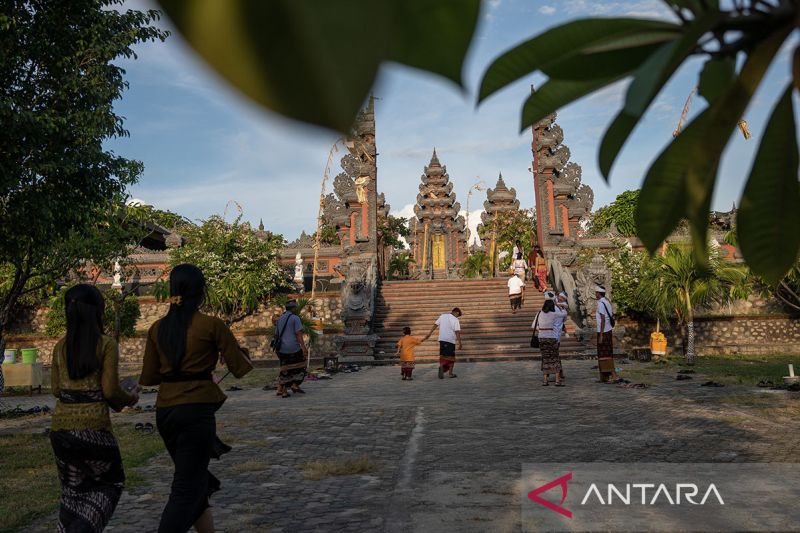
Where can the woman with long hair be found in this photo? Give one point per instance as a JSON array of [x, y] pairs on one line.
[[85, 379], [546, 323], [182, 350]]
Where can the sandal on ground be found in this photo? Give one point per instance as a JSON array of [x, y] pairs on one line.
[[233, 388], [285, 395], [559, 384], [545, 384], [298, 390], [711, 384], [452, 376], [682, 377]]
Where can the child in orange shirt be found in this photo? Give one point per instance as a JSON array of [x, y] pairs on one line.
[[405, 347]]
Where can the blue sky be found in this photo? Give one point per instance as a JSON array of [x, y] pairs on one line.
[[204, 145]]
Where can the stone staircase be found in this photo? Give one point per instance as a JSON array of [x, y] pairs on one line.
[[488, 329]]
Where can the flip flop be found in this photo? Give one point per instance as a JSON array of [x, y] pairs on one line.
[[682, 377], [711, 384], [233, 388]]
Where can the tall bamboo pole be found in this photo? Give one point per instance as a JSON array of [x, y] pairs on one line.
[[320, 214]]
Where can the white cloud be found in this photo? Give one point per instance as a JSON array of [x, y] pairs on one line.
[[631, 8], [547, 10]]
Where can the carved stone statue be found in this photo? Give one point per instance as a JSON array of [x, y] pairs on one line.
[[361, 183]]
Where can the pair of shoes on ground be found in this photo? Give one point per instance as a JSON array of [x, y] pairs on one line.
[[146, 428]]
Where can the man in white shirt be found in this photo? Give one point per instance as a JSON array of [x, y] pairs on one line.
[[516, 292], [605, 345], [449, 334]]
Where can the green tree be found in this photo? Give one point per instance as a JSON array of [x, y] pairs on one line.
[[507, 228], [390, 229], [620, 212], [399, 265], [119, 318], [322, 75], [241, 268], [676, 286], [477, 265], [58, 85]]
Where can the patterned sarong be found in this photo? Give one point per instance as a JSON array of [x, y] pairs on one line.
[[293, 368], [90, 469], [551, 361], [605, 346]]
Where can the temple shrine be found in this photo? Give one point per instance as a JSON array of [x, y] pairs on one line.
[[499, 200], [438, 232]]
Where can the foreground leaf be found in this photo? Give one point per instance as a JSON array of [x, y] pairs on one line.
[[559, 43], [717, 74], [647, 83], [316, 61], [555, 94], [769, 216], [682, 177]]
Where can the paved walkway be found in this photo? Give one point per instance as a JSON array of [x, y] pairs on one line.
[[447, 454]]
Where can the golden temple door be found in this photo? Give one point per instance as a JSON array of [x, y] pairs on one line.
[[438, 252]]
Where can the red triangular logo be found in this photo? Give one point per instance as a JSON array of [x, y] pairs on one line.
[[562, 481]]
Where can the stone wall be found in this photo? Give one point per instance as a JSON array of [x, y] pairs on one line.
[[252, 332], [746, 335]]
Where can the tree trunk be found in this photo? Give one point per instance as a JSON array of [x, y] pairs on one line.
[[689, 329], [117, 317], [690, 342]]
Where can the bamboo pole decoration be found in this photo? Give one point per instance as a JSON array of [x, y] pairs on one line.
[[320, 213]]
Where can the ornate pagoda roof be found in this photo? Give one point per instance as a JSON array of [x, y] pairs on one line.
[[436, 199], [498, 200]]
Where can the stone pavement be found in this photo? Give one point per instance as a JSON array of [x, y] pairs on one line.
[[447, 454]]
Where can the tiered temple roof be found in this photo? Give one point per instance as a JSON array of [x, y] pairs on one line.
[[501, 199], [436, 201]]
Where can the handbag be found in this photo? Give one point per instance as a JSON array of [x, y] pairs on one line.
[[276, 341], [535, 336]]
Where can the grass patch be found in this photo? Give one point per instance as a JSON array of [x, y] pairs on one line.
[[250, 466], [29, 483], [745, 370], [338, 467], [728, 369]]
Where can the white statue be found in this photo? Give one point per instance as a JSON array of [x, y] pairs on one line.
[[298, 269], [117, 276]]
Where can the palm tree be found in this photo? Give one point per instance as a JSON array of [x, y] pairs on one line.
[[675, 286], [399, 265], [477, 265]]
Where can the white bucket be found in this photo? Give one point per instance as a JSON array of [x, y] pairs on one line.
[[9, 356]]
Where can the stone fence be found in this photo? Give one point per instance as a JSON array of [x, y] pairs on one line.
[[715, 335]]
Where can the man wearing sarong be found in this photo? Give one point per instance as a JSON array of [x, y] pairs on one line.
[[605, 345], [516, 291], [292, 353], [449, 335]]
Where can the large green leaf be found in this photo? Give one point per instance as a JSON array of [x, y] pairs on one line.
[[647, 83], [716, 76], [768, 220], [604, 63], [555, 94], [316, 60], [681, 180], [559, 43]]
